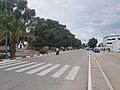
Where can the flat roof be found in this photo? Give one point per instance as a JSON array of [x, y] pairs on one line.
[[111, 36]]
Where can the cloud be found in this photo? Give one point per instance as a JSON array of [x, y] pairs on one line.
[[87, 18]]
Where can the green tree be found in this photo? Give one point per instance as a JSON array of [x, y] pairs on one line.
[[76, 43], [99, 45], [53, 34], [92, 42], [83, 45], [14, 22], [15, 29]]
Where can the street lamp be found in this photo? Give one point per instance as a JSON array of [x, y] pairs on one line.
[[6, 35]]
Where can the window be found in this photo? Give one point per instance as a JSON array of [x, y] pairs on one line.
[[118, 38], [108, 39], [113, 39], [109, 43]]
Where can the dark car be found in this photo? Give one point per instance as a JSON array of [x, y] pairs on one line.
[[96, 50]]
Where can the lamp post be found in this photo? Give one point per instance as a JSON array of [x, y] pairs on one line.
[[6, 35], [6, 6]]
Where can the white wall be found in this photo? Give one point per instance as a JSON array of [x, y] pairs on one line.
[[22, 46], [105, 41], [116, 46]]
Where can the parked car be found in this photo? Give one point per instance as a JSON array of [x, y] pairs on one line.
[[87, 48], [96, 50]]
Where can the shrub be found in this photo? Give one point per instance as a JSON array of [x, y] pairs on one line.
[[43, 51]]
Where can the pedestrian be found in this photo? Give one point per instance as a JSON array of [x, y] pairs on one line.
[[108, 49], [57, 51]]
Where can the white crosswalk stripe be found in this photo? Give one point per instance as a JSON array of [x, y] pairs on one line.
[[72, 73], [12, 68], [42, 68], [27, 68], [61, 71], [9, 62], [13, 64], [48, 70], [6, 61], [38, 69]]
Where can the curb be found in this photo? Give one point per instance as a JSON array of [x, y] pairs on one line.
[[32, 56]]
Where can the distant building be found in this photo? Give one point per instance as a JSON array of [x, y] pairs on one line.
[[116, 46], [112, 42]]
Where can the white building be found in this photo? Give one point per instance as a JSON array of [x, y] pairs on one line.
[[22, 45], [116, 46], [112, 42]]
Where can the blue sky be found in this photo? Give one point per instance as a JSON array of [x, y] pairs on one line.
[[84, 18]]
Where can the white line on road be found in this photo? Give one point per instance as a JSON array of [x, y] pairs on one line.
[[6, 61], [27, 68], [105, 77], [61, 71], [27, 56], [13, 64], [48, 70], [38, 69], [18, 57], [35, 56], [9, 62], [16, 67], [72, 73], [89, 74]]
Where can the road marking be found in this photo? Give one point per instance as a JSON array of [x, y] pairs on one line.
[[9, 62], [89, 74], [72, 73], [16, 67], [48, 70], [27, 56], [13, 64], [6, 61], [38, 69], [61, 71], [105, 77], [35, 56], [27, 68], [18, 57]]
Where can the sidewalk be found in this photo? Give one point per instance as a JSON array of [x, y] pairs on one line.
[[20, 53], [98, 81]]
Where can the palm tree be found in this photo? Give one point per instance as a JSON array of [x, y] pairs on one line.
[[15, 28]]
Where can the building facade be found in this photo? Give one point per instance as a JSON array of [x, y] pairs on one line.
[[112, 42]]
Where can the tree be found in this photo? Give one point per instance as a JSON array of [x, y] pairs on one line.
[[76, 43], [15, 29], [14, 22], [83, 45], [99, 45], [53, 34], [92, 42], [20, 23]]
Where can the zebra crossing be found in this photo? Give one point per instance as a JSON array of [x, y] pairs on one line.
[[40, 69]]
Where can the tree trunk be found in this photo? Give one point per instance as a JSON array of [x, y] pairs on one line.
[[12, 47]]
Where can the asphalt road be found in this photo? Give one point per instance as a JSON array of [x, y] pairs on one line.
[[67, 71]]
